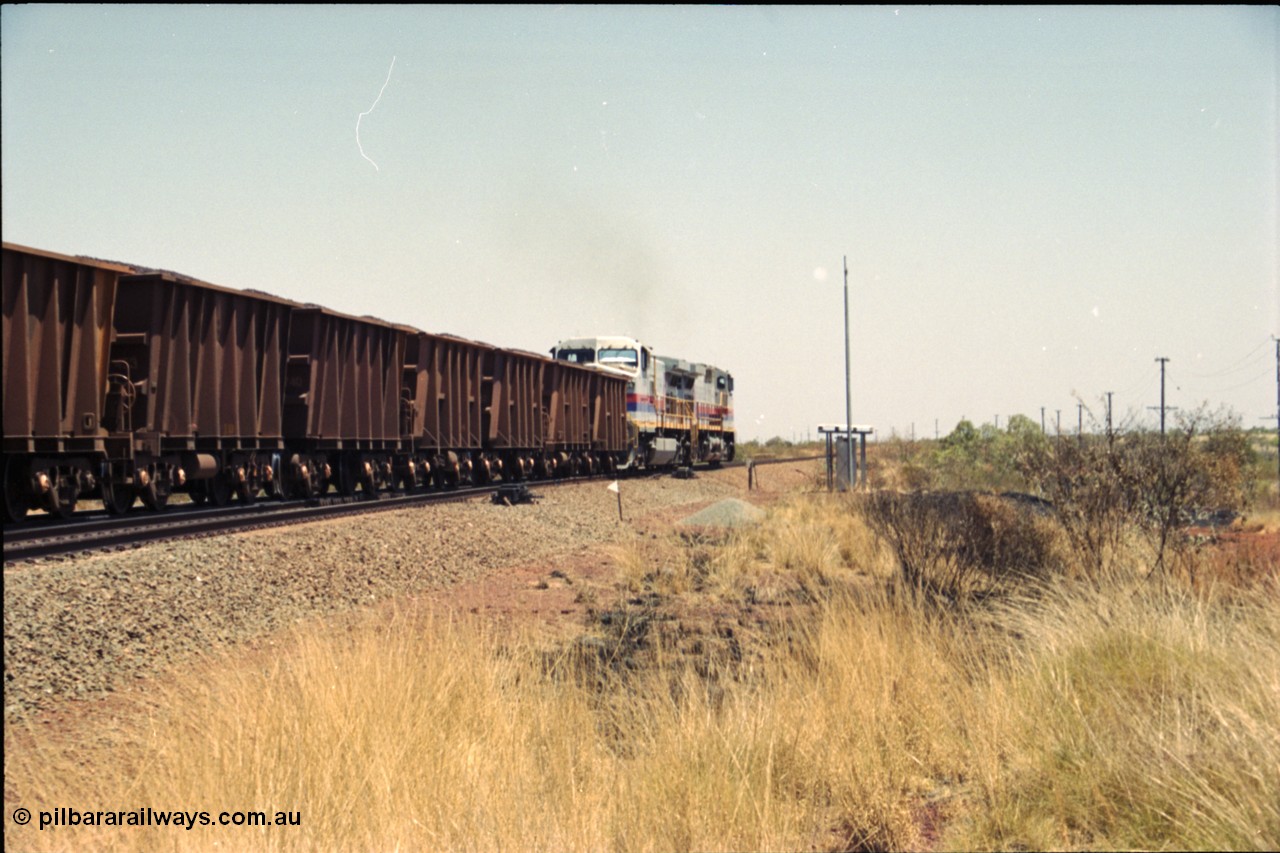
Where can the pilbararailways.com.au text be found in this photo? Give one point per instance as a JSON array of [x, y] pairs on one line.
[[69, 817]]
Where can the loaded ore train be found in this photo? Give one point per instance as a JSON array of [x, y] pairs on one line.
[[124, 383]]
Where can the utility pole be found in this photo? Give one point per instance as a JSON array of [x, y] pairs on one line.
[[1042, 429], [935, 429], [1162, 361], [848, 398], [1080, 421], [1277, 411], [1109, 393], [1059, 427]]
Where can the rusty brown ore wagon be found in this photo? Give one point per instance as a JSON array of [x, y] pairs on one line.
[[125, 383], [342, 403], [196, 378], [444, 400], [57, 335]]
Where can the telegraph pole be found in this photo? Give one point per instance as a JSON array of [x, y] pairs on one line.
[[1080, 421], [848, 398], [1109, 393], [1162, 361], [1277, 411], [1042, 429]]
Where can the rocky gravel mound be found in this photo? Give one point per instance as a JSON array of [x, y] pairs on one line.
[[730, 512], [91, 624]]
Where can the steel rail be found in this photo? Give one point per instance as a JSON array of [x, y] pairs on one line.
[[120, 534], [33, 541]]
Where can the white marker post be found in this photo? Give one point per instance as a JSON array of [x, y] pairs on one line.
[[613, 487]]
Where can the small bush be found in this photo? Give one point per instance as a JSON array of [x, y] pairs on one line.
[[960, 544], [1150, 482]]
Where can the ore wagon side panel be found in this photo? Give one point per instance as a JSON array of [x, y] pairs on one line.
[[609, 413], [515, 418], [447, 379], [208, 362], [57, 334], [343, 380], [569, 406]]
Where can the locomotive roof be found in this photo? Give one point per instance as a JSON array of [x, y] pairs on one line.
[[622, 341]]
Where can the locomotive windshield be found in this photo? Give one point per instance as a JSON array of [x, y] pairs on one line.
[[585, 355], [624, 357]]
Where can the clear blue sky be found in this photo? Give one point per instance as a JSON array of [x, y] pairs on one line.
[[1035, 203]]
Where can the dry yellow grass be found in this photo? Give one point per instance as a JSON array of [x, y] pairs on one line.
[[1124, 713]]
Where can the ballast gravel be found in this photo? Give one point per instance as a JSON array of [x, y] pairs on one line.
[[93, 624]]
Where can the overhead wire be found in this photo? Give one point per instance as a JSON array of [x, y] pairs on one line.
[[1254, 356]]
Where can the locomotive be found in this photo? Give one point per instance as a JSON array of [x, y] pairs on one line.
[[678, 412], [124, 383]]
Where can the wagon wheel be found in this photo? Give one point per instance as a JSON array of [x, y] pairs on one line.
[[246, 492], [346, 479], [276, 488], [61, 500], [304, 481], [117, 497], [199, 492], [219, 489], [155, 494], [368, 477], [15, 500]]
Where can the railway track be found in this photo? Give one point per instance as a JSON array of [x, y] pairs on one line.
[[40, 540], [98, 532]]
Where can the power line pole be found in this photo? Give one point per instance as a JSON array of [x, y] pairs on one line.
[[1277, 411], [1109, 393], [1059, 427], [1042, 429], [848, 398], [1162, 361]]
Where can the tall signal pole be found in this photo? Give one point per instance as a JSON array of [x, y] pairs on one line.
[[848, 398], [1162, 361]]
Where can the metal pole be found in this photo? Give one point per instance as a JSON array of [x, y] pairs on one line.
[[848, 399], [1162, 361]]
